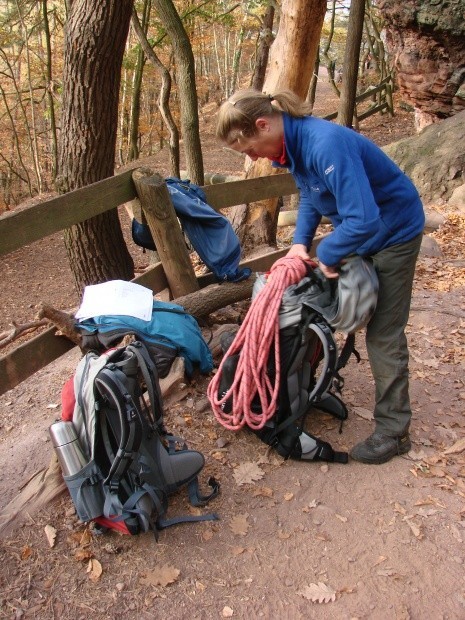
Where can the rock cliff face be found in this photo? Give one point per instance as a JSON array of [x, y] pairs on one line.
[[426, 38], [435, 158]]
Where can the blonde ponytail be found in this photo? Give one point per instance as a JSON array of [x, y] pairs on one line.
[[241, 110]]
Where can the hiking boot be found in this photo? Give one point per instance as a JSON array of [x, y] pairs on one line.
[[379, 448]]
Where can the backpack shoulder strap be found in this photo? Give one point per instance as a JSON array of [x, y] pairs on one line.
[[150, 376], [84, 407], [109, 386], [299, 405]]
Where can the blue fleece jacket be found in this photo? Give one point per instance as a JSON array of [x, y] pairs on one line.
[[341, 174]]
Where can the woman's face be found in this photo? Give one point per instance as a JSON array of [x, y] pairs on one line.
[[266, 142]]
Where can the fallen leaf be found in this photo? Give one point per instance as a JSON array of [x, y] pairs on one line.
[[308, 507], [366, 414], [288, 496], [459, 446], [417, 456], [79, 539], [263, 492], [219, 456], [82, 555], [437, 472], [248, 473], [319, 593], [426, 512], [239, 525], [207, 535], [26, 552], [430, 501], [416, 529], [387, 572], [51, 534], [227, 612], [95, 570], [238, 550], [380, 560], [283, 535], [161, 576], [86, 538], [430, 363]]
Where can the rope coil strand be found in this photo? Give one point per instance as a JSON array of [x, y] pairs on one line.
[[258, 334]]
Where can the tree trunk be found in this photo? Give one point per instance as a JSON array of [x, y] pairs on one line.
[[292, 59], [51, 103], [263, 51], [134, 144], [314, 81], [185, 72], [95, 37], [351, 58], [165, 91]]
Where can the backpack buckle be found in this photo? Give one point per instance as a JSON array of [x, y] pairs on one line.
[[113, 486]]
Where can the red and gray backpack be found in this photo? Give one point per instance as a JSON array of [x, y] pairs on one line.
[[131, 464]]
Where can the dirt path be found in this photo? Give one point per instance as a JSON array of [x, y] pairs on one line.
[[385, 541], [375, 542]]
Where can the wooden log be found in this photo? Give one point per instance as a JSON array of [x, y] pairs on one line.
[[198, 303], [166, 232], [433, 219], [211, 298]]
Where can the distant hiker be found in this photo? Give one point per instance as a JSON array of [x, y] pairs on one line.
[[376, 213]]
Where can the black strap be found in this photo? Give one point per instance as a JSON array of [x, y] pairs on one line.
[[196, 498], [164, 523], [150, 375], [130, 425], [347, 350], [325, 335], [325, 452]]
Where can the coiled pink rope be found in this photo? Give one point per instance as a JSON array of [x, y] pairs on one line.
[[253, 342]]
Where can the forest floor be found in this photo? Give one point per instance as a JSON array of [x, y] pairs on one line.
[[294, 540]]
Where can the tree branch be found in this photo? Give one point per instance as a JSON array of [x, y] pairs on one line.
[[7, 337]]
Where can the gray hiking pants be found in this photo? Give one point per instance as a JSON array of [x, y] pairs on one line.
[[385, 336]]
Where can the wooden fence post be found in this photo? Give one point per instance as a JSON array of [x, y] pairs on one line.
[[164, 226]]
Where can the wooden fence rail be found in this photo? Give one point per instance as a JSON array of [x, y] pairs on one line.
[[381, 96], [24, 226]]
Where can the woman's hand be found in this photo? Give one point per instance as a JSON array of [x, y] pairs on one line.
[[298, 249], [329, 272]]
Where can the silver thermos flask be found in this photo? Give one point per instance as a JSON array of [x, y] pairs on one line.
[[67, 447]]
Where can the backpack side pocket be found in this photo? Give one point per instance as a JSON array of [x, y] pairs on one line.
[[86, 490]]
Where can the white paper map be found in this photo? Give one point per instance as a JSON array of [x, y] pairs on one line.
[[116, 297]]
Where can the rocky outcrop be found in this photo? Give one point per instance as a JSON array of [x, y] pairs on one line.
[[435, 158], [426, 38]]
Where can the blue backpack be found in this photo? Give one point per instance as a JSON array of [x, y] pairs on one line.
[[210, 233]]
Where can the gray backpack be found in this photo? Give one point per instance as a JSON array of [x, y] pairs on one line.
[[346, 303], [132, 464]]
